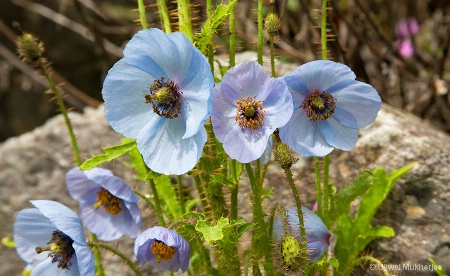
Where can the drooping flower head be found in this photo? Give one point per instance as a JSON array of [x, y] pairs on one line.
[[329, 108], [108, 206], [51, 240], [159, 93], [248, 106], [287, 249], [163, 248]]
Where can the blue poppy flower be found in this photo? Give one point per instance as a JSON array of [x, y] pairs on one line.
[[317, 239], [51, 240], [159, 93], [108, 206], [163, 248], [248, 105], [330, 107]]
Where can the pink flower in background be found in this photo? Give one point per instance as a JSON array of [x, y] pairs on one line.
[[405, 30]]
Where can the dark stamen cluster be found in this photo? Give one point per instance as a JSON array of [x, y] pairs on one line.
[[250, 113], [110, 203], [165, 98], [319, 105], [60, 248]]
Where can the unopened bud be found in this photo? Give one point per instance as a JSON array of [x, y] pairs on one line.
[[30, 49], [272, 23], [284, 155]]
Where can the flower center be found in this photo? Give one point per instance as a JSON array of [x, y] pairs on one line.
[[165, 98], [250, 113], [319, 105], [110, 203], [162, 251], [60, 249]]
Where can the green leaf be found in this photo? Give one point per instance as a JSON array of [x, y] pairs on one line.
[[204, 38], [437, 268], [334, 262], [136, 162], [167, 194], [111, 153], [382, 232], [212, 233]]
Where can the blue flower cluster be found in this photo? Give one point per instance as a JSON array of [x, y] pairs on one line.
[[161, 93]]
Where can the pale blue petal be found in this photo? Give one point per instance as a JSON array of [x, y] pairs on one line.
[[357, 103], [304, 136], [32, 229], [84, 260], [248, 79], [163, 149], [223, 114], [80, 187], [337, 135], [296, 86], [267, 154], [124, 91], [322, 74], [278, 105], [62, 218], [47, 268]]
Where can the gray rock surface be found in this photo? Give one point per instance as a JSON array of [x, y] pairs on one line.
[[34, 166]]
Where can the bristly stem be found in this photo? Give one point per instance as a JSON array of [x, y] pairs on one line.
[[62, 108], [98, 245], [232, 38], [318, 187], [234, 191], [260, 32], [181, 193], [164, 15], [184, 18], [210, 43], [323, 29], [326, 189], [142, 16], [272, 56], [157, 203]]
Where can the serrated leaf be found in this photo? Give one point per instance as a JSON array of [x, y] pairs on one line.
[[212, 233], [350, 192], [111, 153], [204, 38]]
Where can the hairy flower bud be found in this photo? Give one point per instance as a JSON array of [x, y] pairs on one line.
[[272, 23], [284, 155], [30, 49]]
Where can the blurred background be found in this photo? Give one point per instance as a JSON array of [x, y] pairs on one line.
[[401, 47]]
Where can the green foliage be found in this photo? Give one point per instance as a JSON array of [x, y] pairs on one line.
[[439, 270], [204, 38], [111, 153], [354, 234], [167, 194], [8, 242]]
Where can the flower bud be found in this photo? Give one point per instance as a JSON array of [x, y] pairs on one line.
[[30, 49], [284, 155], [272, 23], [287, 252]]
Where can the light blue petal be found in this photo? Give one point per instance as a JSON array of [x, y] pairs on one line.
[[304, 136], [357, 103], [80, 187], [116, 186], [124, 91], [248, 79], [267, 154], [223, 114], [337, 135], [62, 218], [84, 260], [277, 105], [32, 229], [296, 86], [47, 268], [321, 74], [163, 149]]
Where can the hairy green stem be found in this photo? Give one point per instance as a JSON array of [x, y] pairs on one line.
[[157, 203], [117, 253], [210, 43], [260, 32], [99, 271], [207, 210], [164, 15], [181, 194], [272, 57], [142, 15], [323, 29], [184, 18], [232, 38], [326, 189], [318, 187], [234, 191]]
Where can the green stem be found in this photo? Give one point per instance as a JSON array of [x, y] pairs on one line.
[[164, 15], [207, 210], [142, 15], [371, 259], [157, 203], [210, 43], [99, 271], [323, 29], [232, 38], [117, 253], [184, 18], [181, 193], [326, 189], [272, 57], [288, 173], [234, 191], [62, 108], [318, 187], [260, 31]]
